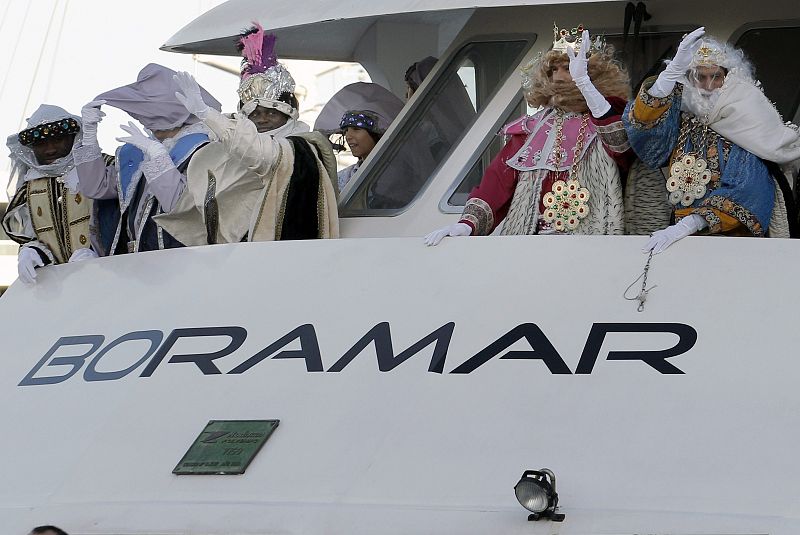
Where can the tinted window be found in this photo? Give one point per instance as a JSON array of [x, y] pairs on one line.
[[434, 127], [473, 178], [777, 66], [644, 55]]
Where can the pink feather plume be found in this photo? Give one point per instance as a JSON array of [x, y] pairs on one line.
[[258, 50]]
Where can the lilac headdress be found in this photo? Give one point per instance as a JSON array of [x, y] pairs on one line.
[[264, 80], [151, 99]]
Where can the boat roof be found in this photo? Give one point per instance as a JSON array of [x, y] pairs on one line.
[[322, 29]]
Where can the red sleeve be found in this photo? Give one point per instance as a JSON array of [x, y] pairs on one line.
[[613, 136], [497, 185]]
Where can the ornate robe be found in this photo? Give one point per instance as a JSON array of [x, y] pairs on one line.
[[134, 190], [559, 172], [731, 188], [46, 215], [256, 187]]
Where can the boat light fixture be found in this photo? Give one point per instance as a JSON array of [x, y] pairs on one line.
[[536, 492]]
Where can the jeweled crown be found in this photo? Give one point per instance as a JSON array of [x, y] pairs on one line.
[[565, 38], [708, 55]]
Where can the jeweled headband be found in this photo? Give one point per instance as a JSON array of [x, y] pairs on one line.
[[46, 131], [359, 119]]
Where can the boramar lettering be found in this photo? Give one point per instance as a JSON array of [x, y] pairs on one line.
[[56, 367]]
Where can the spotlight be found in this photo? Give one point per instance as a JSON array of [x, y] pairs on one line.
[[536, 492]]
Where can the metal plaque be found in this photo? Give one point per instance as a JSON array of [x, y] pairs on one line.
[[225, 447]]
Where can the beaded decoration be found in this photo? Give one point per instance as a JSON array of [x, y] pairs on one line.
[[690, 173], [46, 131], [565, 38], [359, 119], [688, 177], [567, 202]]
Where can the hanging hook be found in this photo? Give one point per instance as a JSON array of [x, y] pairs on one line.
[[641, 297]]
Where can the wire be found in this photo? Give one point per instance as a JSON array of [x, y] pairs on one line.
[[16, 46], [38, 63], [55, 51]]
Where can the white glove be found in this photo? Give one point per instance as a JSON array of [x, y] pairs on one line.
[[84, 253], [91, 115], [676, 69], [456, 229], [190, 95], [151, 147], [661, 239], [27, 262], [579, 70]]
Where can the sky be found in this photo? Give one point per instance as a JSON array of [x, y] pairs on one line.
[[65, 52]]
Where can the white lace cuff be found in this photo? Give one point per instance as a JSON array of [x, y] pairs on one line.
[[86, 153], [155, 167]]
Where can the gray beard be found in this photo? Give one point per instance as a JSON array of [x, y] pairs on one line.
[[699, 102]]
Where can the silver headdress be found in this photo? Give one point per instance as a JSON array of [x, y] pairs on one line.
[[264, 80]]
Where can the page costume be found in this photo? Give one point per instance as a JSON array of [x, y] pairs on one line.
[[361, 105], [46, 213], [140, 186], [251, 186]]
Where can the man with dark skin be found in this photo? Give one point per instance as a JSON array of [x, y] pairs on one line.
[[275, 180], [52, 149], [267, 119], [47, 216]]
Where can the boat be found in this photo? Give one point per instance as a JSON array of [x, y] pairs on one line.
[[410, 389]]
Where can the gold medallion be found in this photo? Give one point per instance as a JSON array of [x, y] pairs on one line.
[[565, 205], [688, 177]]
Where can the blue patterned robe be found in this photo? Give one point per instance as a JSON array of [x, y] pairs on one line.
[[741, 194]]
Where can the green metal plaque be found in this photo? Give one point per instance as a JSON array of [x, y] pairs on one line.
[[225, 447]]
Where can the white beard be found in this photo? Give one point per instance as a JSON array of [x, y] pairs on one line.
[[699, 102]]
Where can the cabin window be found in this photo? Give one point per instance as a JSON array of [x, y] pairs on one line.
[[778, 72], [458, 198], [439, 119], [645, 55]]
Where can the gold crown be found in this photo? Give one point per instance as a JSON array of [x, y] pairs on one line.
[[708, 55], [564, 38]]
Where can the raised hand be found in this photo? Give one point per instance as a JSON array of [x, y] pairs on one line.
[[579, 70], [137, 138], [683, 57], [189, 95], [676, 69], [91, 115], [579, 61]]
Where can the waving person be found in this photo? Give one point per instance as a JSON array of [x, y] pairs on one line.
[[706, 118], [559, 172]]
